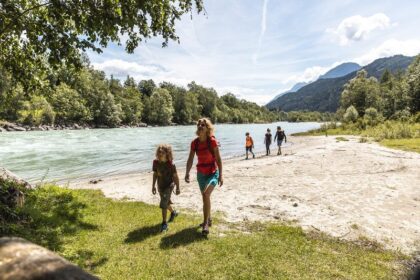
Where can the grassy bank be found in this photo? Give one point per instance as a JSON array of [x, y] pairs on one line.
[[120, 240], [394, 134]]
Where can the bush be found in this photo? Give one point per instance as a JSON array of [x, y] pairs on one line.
[[402, 115], [351, 115], [372, 117], [36, 111], [10, 210], [393, 130]]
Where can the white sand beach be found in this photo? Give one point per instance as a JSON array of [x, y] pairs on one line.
[[346, 189]]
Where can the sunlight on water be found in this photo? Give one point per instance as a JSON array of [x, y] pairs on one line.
[[78, 154]]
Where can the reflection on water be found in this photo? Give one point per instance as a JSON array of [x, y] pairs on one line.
[[71, 154]]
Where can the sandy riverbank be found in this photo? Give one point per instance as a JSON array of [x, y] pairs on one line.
[[346, 189]]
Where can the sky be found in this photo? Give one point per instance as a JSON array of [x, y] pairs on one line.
[[257, 49]]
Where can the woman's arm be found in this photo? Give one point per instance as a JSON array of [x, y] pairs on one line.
[[189, 165], [219, 164]]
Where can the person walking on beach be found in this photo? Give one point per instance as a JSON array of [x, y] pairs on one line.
[[267, 141], [280, 136], [164, 172], [209, 166], [249, 145]]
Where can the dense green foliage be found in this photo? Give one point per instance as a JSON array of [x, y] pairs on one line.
[[392, 97], [86, 96], [386, 110], [39, 35], [121, 240], [324, 95]]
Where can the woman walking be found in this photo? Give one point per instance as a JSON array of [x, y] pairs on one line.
[[209, 166]]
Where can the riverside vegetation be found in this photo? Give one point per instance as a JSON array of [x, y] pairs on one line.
[[87, 97], [387, 110], [120, 240]]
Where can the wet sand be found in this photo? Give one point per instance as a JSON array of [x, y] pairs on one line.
[[344, 188]]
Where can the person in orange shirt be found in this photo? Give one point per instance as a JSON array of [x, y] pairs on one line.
[[249, 145]]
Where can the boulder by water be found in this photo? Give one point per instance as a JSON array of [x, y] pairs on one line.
[[10, 176], [12, 127], [23, 260]]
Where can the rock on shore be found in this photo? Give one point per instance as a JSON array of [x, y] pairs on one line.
[[8, 126]]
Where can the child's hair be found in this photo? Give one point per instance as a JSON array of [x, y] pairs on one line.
[[247, 133], [209, 125], [268, 130], [167, 149]]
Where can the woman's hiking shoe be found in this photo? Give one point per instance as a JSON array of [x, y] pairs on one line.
[[174, 214], [164, 227], [210, 221], [205, 230]]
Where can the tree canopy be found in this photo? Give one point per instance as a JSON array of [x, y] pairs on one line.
[[38, 34]]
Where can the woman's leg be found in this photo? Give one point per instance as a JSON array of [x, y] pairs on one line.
[[253, 155], [246, 153], [207, 203]]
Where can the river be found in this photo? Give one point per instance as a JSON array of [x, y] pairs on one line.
[[67, 155]]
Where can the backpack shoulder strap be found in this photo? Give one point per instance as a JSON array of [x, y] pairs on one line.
[[196, 143]]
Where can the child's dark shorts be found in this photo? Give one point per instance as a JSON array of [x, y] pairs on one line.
[[165, 197]]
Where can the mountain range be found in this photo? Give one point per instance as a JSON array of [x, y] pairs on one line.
[[323, 95]]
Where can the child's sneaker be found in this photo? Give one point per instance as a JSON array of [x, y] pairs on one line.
[[164, 227], [174, 214]]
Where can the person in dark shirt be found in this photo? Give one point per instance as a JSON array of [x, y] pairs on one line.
[[164, 173], [267, 141], [280, 136]]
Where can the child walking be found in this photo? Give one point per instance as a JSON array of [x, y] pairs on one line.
[[164, 172], [249, 145]]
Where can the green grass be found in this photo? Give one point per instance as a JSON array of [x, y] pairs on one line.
[[121, 240], [341, 139], [411, 145]]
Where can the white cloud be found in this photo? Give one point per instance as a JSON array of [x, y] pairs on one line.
[[259, 96], [121, 69], [389, 48], [310, 74], [357, 28]]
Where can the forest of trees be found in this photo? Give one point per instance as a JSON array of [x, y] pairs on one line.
[[87, 96], [392, 97]]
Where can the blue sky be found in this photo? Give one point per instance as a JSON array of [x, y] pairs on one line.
[[259, 48]]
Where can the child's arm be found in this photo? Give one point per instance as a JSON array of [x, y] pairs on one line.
[[176, 181], [154, 183], [275, 136], [285, 138]]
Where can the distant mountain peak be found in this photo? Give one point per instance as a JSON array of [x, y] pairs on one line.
[[296, 87], [341, 70], [324, 94]]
